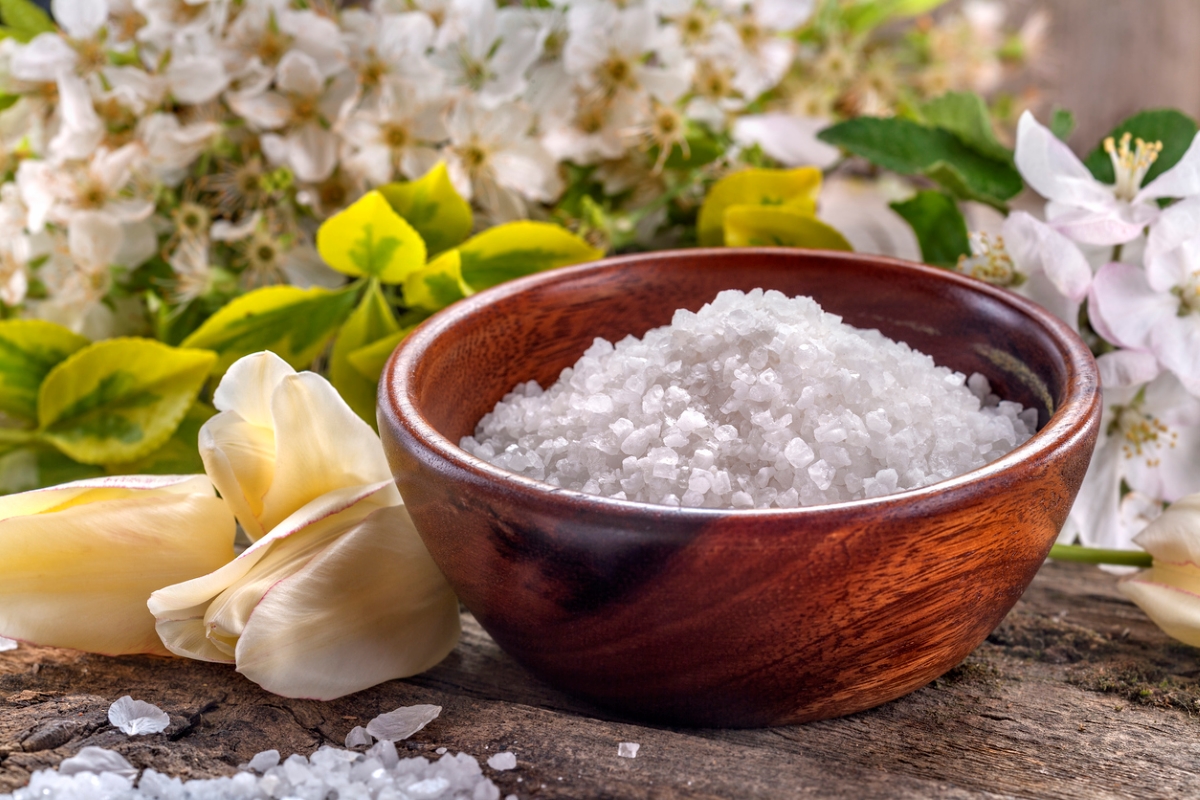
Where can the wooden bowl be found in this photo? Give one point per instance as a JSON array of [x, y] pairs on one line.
[[735, 617]]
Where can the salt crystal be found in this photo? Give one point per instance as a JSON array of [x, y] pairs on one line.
[[503, 761], [756, 400], [264, 761], [358, 737], [441, 751], [137, 718], [97, 760], [403, 722], [7, 644], [628, 749]]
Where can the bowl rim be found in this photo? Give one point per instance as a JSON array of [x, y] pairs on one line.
[[1069, 421]]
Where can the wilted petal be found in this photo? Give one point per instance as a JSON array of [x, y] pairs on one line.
[[137, 717], [97, 760], [370, 607], [395, 726], [80, 559]]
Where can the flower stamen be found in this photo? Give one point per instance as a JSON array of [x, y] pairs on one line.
[[1130, 165], [989, 261]]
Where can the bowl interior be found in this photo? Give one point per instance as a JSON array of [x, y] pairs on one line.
[[533, 328]]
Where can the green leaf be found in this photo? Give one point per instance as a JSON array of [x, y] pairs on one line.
[[966, 116], [179, 455], [795, 188], [294, 323], [438, 284], [25, 20], [1062, 122], [118, 400], [516, 249], [779, 226], [371, 321], [29, 349], [867, 15], [369, 239], [910, 148], [7, 101], [37, 465], [432, 206], [371, 359], [939, 226], [701, 148], [1174, 129]]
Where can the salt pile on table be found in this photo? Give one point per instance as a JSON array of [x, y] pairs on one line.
[[377, 774], [757, 400]]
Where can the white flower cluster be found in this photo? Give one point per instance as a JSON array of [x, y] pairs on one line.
[[1134, 267], [177, 128]]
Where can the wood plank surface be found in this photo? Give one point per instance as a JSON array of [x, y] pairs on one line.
[[1076, 694]]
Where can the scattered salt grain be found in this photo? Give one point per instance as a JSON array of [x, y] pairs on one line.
[[755, 401], [329, 772], [502, 761], [628, 749], [7, 644], [403, 722], [441, 751], [136, 717], [264, 761], [358, 737]]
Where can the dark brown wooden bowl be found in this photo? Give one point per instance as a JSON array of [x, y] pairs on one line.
[[739, 617]]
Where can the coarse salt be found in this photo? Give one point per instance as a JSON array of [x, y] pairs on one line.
[[756, 401]]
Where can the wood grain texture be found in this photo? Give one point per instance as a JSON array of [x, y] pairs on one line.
[[1076, 694], [739, 618]]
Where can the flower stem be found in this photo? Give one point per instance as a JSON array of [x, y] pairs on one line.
[[1096, 555]]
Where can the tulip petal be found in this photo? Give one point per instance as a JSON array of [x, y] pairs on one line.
[[247, 386], [321, 445], [369, 608], [202, 618], [81, 559], [1174, 538], [1168, 596]]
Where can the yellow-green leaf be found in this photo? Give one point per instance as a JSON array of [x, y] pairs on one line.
[[516, 249], [370, 360], [29, 349], [292, 322], [794, 188], [24, 20], [370, 322], [437, 284], [36, 465], [119, 399], [776, 226], [432, 206], [370, 239], [179, 455]]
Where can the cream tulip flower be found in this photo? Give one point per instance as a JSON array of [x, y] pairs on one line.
[[80, 559], [1169, 591], [337, 593], [282, 440]]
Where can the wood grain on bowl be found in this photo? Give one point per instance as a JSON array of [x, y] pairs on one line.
[[751, 617]]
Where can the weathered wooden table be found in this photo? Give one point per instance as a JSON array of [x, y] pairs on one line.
[[1075, 695]]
